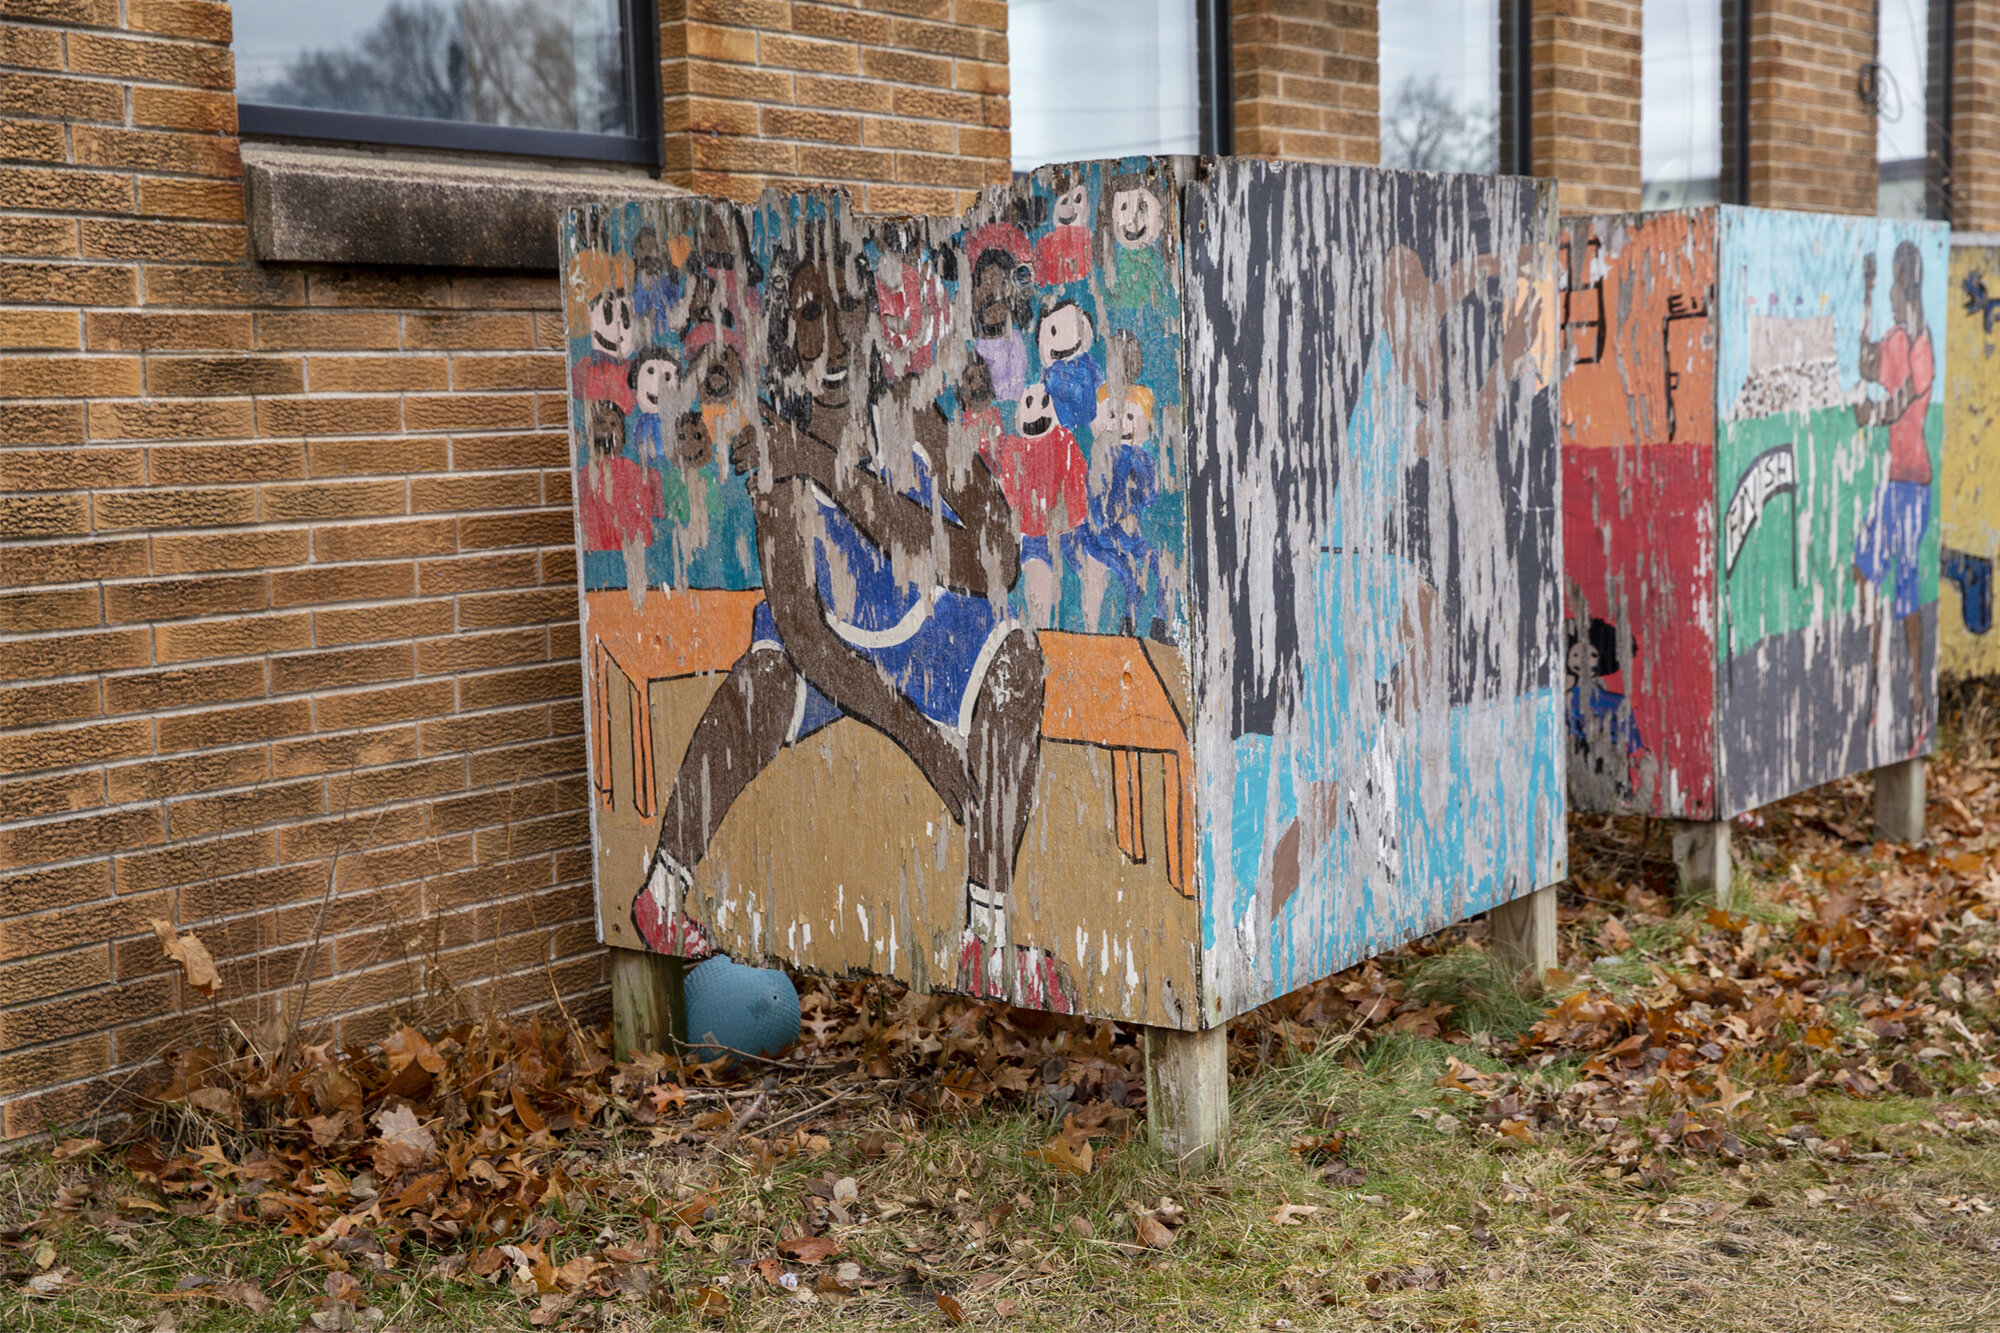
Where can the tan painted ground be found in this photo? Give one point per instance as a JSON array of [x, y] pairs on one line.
[[1128, 938]]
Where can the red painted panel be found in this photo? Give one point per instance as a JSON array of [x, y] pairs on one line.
[[1638, 533], [1638, 431]]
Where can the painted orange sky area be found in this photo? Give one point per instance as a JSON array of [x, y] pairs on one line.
[[1627, 336]]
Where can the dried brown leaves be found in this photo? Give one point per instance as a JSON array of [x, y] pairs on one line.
[[1866, 969], [191, 956]]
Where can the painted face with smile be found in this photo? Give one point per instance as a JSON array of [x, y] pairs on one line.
[[711, 407], [606, 425], [906, 292], [1133, 423], [1136, 217], [1072, 206], [1036, 415], [611, 323], [1064, 332], [656, 375], [994, 293], [646, 254], [823, 345]]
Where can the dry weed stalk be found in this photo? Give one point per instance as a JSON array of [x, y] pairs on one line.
[[239, 1058]]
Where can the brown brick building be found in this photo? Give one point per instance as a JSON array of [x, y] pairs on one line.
[[288, 652]]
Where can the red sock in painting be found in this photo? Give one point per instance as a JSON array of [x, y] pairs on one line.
[[659, 911]]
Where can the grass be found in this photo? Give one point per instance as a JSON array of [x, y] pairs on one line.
[[1871, 1214], [1443, 1231], [1482, 996]]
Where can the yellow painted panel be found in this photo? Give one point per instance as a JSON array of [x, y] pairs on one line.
[[1969, 485]]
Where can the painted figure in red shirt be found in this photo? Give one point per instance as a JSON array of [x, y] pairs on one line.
[[1062, 255], [617, 499], [602, 374], [1891, 541], [1046, 482]]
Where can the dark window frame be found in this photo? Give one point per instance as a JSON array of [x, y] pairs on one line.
[[1517, 89], [263, 120], [1213, 68], [1939, 205], [1735, 183]]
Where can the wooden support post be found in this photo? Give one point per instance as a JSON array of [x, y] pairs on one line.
[[1701, 855], [1187, 1093], [1899, 800], [648, 1004], [1522, 935]]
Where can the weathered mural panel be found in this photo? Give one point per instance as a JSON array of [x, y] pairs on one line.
[[1753, 407], [1638, 430], [1830, 403], [894, 662], [1375, 555], [1969, 480], [884, 562]]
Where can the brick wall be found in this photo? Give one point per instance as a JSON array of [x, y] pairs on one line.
[[1584, 101], [1812, 138], [1305, 82], [903, 101], [1975, 116], [287, 648], [287, 581]]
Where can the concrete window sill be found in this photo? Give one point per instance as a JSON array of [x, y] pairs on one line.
[[309, 207]]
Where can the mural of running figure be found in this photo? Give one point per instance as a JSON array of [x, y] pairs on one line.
[[1890, 543], [888, 555]]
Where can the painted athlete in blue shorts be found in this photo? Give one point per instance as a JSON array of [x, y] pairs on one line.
[[885, 585], [1891, 541]]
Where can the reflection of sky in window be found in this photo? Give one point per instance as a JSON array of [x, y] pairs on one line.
[[269, 33], [1440, 70], [546, 64], [1680, 102], [1899, 129], [1901, 132], [1102, 78]]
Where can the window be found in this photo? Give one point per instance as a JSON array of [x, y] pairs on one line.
[[553, 78], [1109, 78], [1680, 103], [1910, 108], [1440, 72]]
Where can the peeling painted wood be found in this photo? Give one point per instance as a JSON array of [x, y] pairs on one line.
[[1969, 482], [1638, 432], [1751, 428], [883, 554], [1136, 597], [1375, 556]]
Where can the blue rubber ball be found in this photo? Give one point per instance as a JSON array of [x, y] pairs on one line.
[[731, 1007]]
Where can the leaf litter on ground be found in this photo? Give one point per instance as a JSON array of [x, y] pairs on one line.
[[1855, 971]]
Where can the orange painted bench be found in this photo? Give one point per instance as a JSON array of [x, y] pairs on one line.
[[1103, 690]]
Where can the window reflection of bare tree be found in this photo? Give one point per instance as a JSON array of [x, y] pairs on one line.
[[527, 63], [1425, 129]]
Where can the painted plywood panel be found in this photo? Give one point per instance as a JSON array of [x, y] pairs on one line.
[[1375, 558], [1830, 393], [883, 539], [1969, 479], [1638, 432], [1136, 597]]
